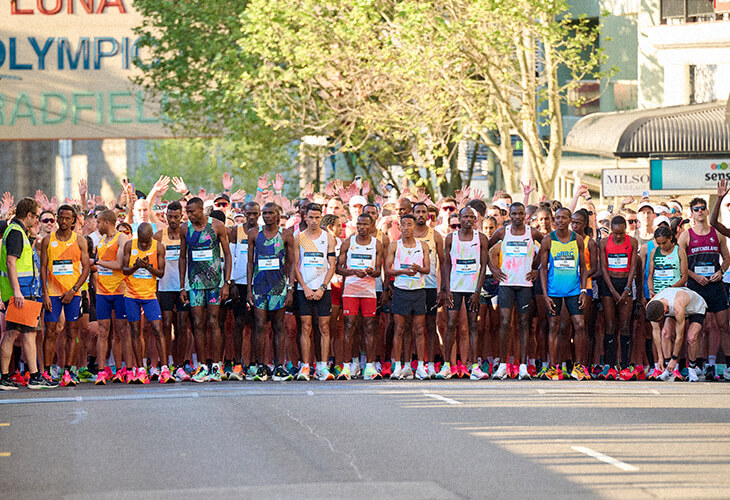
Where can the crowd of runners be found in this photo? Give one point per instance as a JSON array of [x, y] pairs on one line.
[[171, 286]]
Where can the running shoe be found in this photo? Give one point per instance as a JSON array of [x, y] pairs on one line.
[[586, 372], [236, 373], [386, 370], [6, 384], [281, 375], [678, 377], [692, 375], [227, 370], [612, 374], [554, 373], [304, 373], [501, 372], [532, 370], [188, 368], [370, 372], [523, 372], [684, 371], [542, 374], [576, 373], [201, 374], [666, 376], [421, 373], [19, 379], [639, 372], [596, 371], [395, 373], [216, 374], [40, 382], [293, 370], [344, 372], [513, 370], [69, 379], [477, 373], [120, 376], [726, 373], [101, 378], [627, 373], [181, 375], [251, 372], [154, 373], [431, 370], [142, 377], [487, 368], [445, 372], [262, 374], [355, 371], [406, 372], [165, 376], [324, 373], [603, 373], [653, 373]]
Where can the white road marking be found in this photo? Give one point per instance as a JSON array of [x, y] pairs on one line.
[[441, 398], [605, 458], [310, 393], [80, 415]]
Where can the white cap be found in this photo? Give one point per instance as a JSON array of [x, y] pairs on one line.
[[660, 219], [646, 204], [502, 204], [358, 200], [207, 203], [603, 215]]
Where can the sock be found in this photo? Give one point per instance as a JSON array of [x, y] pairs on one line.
[[544, 364], [625, 350], [35, 375], [711, 360], [649, 351], [532, 362], [420, 365], [609, 348], [693, 364], [490, 359], [397, 366]]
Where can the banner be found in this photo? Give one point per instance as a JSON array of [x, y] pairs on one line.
[[688, 175], [65, 69], [624, 181]]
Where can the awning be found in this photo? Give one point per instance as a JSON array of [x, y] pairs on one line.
[[689, 131]]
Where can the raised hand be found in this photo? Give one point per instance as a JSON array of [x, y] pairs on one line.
[[722, 188], [366, 188], [379, 201], [543, 198], [477, 194], [308, 191], [54, 203], [286, 205], [8, 202], [202, 194], [41, 198], [497, 195], [278, 183], [239, 195], [178, 185], [345, 194], [527, 188], [161, 185], [329, 189], [628, 200], [227, 181], [422, 195], [83, 189], [98, 200], [263, 182], [461, 198]]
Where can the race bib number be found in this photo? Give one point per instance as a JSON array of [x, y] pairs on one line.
[[63, 267], [244, 250], [405, 276], [361, 261], [268, 263], [202, 255], [142, 274], [706, 271], [313, 259], [564, 264], [466, 266], [515, 249], [172, 252], [617, 260], [103, 271], [663, 273]]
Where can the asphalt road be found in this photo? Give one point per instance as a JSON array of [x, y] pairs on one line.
[[448, 439]]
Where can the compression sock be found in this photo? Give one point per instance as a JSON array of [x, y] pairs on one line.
[[609, 348], [625, 350]]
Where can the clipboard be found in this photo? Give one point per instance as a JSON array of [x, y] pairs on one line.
[[29, 315]]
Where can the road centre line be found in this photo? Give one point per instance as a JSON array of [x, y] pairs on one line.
[[605, 458], [441, 398], [5, 454]]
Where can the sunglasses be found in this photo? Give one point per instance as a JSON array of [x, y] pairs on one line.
[[455, 226], [590, 213], [448, 208], [221, 205], [632, 221], [48, 221], [699, 208]]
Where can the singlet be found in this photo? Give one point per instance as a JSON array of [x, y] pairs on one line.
[[269, 272], [697, 304], [703, 253], [205, 268], [666, 269], [360, 257], [142, 284], [651, 245], [64, 264], [465, 263], [404, 257], [432, 277], [109, 281], [313, 262], [618, 255], [170, 281], [336, 278], [239, 252], [587, 259], [516, 256], [563, 279]]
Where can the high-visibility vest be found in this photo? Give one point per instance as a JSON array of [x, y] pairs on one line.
[[24, 265]]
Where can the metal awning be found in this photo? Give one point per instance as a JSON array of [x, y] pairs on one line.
[[689, 131]]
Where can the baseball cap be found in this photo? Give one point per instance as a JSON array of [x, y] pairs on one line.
[[358, 200], [222, 196], [662, 219], [646, 204], [502, 204], [603, 215]]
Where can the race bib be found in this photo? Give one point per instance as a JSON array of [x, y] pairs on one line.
[[618, 260], [244, 250], [361, 261], [466, 266], [172, 252], [142, 274], [706, 271], [663, 273], [313, 259], [268, 263], [63, 268], [564, 264], [515, 249], [103, 271], [405, 276], [202, 255]]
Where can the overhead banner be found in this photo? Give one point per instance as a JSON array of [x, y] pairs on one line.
[[65, 69], [624, 181], [688, 175]]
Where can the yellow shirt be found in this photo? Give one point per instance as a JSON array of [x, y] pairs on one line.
[[142, 284]]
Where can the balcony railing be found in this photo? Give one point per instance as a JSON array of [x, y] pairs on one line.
[[688, 11]]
